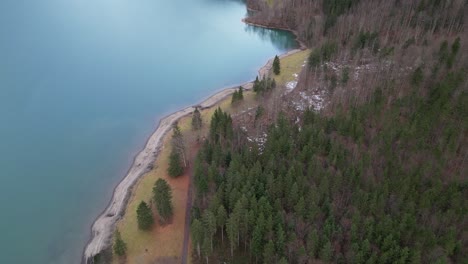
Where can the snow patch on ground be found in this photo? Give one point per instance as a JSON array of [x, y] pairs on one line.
[[290, 86], [260, 141], [315, 101]]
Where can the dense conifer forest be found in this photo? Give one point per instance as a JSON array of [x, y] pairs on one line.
[[379, 176]]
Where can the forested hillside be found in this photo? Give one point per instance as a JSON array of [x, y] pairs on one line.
[[379, 175]]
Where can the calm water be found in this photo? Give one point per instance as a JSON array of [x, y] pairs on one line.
[[83, 84]]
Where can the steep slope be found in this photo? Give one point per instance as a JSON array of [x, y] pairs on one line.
[[375, 171]]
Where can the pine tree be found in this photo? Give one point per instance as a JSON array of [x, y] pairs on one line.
[[269, 252], [120, 248], [276, 65], [196, 119], [221, 216], [206, 249], [232, 227], [234, 97], [209, 220], [144, 216], [162, 196], [326, 253], [256, 85], [175, 168], [238, 95], [196, 230], [178, 144]]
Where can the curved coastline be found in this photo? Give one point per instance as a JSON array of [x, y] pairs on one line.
[[103, 227]]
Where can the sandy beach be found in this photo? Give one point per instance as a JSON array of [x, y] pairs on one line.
[[103, 227]]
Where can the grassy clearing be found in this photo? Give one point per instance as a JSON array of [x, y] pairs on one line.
[[291, 65], [164, 243]]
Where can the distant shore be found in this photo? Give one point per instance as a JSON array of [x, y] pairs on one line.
[[302, 45]]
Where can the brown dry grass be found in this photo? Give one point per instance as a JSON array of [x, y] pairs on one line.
[[163, 244]]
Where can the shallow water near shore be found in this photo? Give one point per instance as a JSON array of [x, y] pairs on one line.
[[83, 84]]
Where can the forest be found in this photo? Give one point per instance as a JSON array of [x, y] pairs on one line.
[[332, 189], [379, 175]]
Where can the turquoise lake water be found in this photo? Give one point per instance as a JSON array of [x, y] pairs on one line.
[[83, 83]]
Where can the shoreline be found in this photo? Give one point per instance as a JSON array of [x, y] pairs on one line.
[[302, 45], [103, 226]]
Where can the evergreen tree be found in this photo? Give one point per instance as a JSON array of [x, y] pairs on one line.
[[178, 144], [120, 248], [232, 227], [206, 249], [221, 217], [234, 97], [144, 216], [238, 95], [269, 252], [175, 168], [196, 230], [196, 119], [256, 85], [209, 221], [326, 253], [162, 196], [276, 65]]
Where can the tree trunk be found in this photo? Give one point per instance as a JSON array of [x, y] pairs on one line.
[[222, 235]]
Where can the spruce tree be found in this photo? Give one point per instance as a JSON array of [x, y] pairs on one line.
[[221, 216], [235, 97], [175, 168], [144, 216], [196, 229], [178, 144], [162, 196], [276, 66], [196, 119], [120, 248]]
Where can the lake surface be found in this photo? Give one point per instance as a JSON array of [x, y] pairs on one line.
[[83, 83]]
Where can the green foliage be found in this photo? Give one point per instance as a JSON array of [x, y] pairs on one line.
[[162, 197], [175, 168], [333, 9], [263, 86], [177, 157], [367, 40], [323, 54], [259, 112], [376, 183], [144, 216], [417, 77], [238, 95], [196, 119], [276, 66], [196, 230], [120, 248], [448, 56]]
